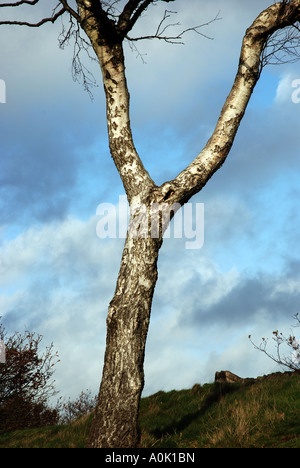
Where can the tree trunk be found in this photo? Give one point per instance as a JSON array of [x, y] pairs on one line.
[[115, 424], [115, 421], [116, 416]]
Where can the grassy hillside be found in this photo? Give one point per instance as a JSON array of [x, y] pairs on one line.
[[261, 413]]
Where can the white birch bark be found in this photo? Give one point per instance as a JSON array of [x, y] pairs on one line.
[[115, 421]]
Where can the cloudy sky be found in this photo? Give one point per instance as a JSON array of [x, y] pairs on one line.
[[57, 277]]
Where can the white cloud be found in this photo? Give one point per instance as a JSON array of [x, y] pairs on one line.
[[57, 280]]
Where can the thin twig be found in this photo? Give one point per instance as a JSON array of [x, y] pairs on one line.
[[175, 39], [22, 2], [51, 19]]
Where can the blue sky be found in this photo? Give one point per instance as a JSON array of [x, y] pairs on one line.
[[57, 277]]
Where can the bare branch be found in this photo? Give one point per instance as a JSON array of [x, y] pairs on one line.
[[111, 10], [127, 12], [143, 6], [289, 342], [80, 73], [282, 47], [22, 2], [173, 39], [70, 10], [52, 19], [132, 12]]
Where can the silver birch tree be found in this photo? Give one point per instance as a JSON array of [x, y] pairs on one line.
[[115, 423]]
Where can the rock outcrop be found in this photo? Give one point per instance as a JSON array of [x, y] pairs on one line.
[[227, 376]]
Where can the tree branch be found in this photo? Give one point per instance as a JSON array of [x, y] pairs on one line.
[[193, 178], [282, 47], [70, 10], [51, 19], [79, 71], [22, 2], [290, 342], [131, 13], [96, 22], [175, 39], [128, 10]]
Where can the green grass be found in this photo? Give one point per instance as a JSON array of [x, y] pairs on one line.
[[260, 413], [65, 436]]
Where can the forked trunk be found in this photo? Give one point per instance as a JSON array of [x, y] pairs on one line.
[[115, 421]]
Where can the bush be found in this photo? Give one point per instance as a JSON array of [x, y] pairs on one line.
[[25, 382], [283, 344], [72, 410]]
